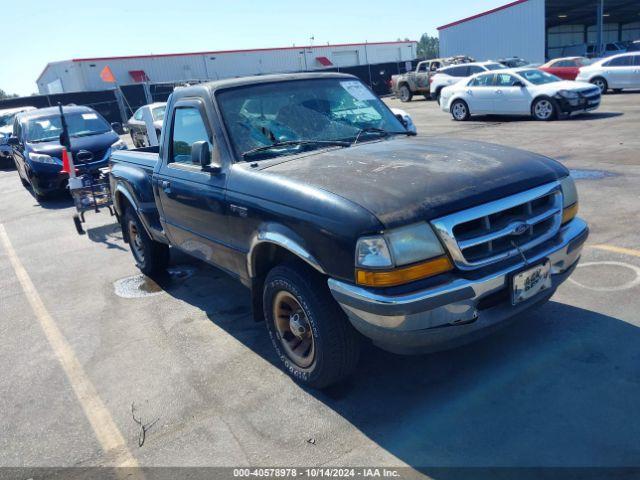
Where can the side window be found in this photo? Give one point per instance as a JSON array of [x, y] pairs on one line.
[[458, 71], [619, 62], [505, 80], [482, 81], [17, 129], [636, 60], [188, 127], [138, 115], [422, 67], [435, 66], [473, 69], [564, 63]]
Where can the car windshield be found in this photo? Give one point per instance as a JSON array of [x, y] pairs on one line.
[[158, 113], [495, 66], [538, 77], [81, 124], [303, 114], [7, 119]]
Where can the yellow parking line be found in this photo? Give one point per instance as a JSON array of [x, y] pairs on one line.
[[614, 249], [99, 417]]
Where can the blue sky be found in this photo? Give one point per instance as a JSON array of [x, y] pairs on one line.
[[39, 31]]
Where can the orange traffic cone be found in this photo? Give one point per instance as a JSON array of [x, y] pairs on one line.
[[66, 168]]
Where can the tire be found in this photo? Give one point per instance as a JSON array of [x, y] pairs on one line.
[[438, 92], [544, 109], [601, 83], [151, 257], [460, 111], [427, 96], [617, 90], [404, 94], [25, 184], [330, 345]]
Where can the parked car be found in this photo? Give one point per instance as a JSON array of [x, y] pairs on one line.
[[565, 68], [633, 46], [7, 117], [528, 91], [613, 48], [138, 128], [406, 85], [617, 73], [515, 62], [451, 75], [37, 151], [308, 189]]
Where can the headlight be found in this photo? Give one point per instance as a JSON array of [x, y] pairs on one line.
[[40, 158], [568, 94], [400, 256], [569, 199], [119, 145]]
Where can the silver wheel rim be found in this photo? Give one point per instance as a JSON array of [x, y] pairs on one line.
[[293, 329], [136, 242], [544, 109], [459, 111], [404, 93]]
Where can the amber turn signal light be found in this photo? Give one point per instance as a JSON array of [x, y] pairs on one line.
[[400, 276], [569, 213]]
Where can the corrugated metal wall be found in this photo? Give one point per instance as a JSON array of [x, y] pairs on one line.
[[515, 31], [85, 75]]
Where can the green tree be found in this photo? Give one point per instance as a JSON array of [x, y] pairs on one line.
[[428, 47], [4, 95]]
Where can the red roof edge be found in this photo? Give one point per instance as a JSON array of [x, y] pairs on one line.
[[125, 57], [483, 14]]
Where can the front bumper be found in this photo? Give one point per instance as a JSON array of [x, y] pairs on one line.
[[582, 104], [459, 310], [5, 152]]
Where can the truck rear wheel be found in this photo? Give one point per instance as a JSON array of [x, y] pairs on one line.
[[310, 333], [405, 94], [151, 257]]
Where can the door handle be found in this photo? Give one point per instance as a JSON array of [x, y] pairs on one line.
[[499, 92], [166, 186], [469, 92]]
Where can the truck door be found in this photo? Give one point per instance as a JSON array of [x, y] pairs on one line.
[[192, 200]]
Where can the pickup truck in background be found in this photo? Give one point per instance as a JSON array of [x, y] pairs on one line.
[[342, 223], [406, 85]]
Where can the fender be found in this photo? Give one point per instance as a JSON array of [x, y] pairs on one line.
[[122, 190], [284, 237]]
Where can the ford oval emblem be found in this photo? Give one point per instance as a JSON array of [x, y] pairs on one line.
[[519, 228]]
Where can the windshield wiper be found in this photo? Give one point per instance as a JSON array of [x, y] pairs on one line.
[[382, 132], [331, 143]]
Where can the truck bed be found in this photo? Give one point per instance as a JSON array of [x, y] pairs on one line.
[[145, 158]]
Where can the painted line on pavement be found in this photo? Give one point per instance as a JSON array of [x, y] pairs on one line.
[[104, 427], [614, 249]]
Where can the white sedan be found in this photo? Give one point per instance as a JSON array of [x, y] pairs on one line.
[[523, 91]]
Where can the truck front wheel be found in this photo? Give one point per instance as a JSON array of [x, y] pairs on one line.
[[405, 94], [151, 257], [311, 335]]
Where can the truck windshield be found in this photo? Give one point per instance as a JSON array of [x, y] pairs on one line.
[[301, 115], [81, 124]]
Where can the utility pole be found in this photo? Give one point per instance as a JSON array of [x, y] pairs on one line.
[[600, 27]]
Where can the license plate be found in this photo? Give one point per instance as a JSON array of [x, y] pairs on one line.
[[528, 284]]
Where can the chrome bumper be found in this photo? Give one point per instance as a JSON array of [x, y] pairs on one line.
[[459, 310]]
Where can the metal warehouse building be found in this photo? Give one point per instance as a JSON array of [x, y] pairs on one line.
[[83, 74], [542, 29]]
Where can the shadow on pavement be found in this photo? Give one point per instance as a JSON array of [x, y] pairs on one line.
[[522, 118], [110, 235], [559, 387]]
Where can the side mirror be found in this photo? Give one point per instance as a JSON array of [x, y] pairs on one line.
[[117, 127], [13, 141], [406, 120], [201, 155]]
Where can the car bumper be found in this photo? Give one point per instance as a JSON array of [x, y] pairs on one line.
[[581, 105], [460, 310], [49, 178]]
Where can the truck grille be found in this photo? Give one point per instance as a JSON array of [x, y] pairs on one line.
[[502, 229]]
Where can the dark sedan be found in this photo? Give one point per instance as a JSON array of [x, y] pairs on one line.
[[38, 154]]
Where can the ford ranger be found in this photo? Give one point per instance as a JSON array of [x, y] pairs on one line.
[[342, 222]]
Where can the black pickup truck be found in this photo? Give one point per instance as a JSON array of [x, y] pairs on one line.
[[343, 223]]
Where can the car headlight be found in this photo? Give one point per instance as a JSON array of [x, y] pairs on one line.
[[119, 145], [40, 158], [569, 199], [568, 94], [400, 256]]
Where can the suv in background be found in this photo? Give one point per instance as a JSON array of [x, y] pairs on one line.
[[7, 118], [617, 73], [451, 75]]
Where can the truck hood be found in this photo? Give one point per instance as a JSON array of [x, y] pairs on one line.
[[405, 180]]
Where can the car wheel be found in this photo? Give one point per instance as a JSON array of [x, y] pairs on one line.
[[405, 94], [544, 109], [427, 96], [151, 257], [460, 111], [601, 83], [311, 334]]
